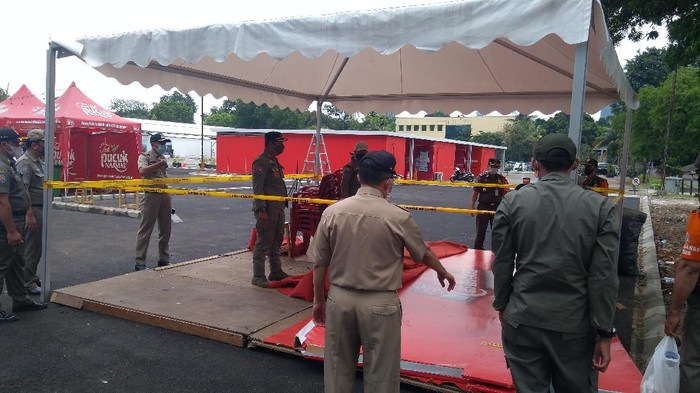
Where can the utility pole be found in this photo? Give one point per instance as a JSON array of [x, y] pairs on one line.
[[201, 164]]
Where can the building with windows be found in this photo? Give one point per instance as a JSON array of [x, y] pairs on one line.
[[450, 127]]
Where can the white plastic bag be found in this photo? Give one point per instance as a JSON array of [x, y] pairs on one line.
[[662, 374]]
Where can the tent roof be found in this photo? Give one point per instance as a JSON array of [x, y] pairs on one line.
[[75, 109], [22, 105], [463, 55]]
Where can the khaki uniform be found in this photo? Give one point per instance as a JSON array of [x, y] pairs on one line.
[[361, 239], [12, 258], [350, 183], [155, 207], [562, 241], [32, 171], [488, 199], [268, 179]]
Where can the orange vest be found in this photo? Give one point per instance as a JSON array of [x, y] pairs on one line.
[[691, 247]]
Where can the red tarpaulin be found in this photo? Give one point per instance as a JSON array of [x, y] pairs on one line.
[[77, 119], [455, 337]]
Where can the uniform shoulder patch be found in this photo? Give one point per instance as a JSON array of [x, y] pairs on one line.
[[3, 178]]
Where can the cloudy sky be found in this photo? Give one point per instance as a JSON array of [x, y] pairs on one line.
[[28, 26]]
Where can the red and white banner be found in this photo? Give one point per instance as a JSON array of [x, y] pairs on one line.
[[113, 155]]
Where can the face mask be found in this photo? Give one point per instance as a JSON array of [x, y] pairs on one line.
[[587, 170], [279, 148], [161, 149], [493, 171], [358, 156]]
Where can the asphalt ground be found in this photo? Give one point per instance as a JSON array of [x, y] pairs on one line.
[[62, 349]]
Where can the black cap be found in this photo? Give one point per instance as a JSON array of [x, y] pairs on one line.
[[274, 136], [555, 148], [158, 137], [8, 134], [380, 161]]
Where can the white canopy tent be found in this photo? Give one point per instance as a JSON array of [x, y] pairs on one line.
[[463, 55]]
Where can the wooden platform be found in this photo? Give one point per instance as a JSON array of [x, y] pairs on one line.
[[210, 297]]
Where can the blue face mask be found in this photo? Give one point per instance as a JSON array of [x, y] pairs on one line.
[[161, 149]]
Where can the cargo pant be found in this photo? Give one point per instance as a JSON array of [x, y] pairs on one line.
[[268, 241], [538, 358], [155, 207], [371, 319], [690, 347], [12, 264], [32, 249]]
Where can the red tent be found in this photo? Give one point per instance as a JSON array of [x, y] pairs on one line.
[[22, 112], [91, 142]]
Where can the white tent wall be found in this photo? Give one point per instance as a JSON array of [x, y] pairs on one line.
[[464, 55]]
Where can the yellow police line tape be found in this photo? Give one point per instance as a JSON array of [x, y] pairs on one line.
[[223, 194], [222, 179]]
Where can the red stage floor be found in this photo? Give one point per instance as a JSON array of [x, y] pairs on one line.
[[454, 337]]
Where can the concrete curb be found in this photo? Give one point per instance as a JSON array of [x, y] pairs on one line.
[[650, 311]]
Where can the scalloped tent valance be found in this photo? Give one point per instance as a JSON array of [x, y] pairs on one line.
[[467, 55]]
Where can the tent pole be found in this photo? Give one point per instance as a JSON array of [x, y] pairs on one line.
[[49, 128], [623, 164], [411, 148], [577, 97], [317, 155]]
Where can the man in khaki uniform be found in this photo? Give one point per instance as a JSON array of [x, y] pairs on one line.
[[360, 242], [268, 179], [155, 207], [31, 167], [15, 215], [557, 309]]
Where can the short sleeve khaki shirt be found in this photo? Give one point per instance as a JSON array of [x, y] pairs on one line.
[[32, 171], [149, 158], [361, 239]]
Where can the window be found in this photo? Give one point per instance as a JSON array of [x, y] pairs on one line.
[[424, 128], [400, 128], [439, 127], [432, 127]]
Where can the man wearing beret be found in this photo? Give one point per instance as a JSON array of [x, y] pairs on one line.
[[31, 167], [686, 288], [350, 183], [557, 309], [268, 179], [363, 307], [15, 217], [155, 206]]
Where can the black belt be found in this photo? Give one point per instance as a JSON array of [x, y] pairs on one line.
[[19, 213], [33, 205]]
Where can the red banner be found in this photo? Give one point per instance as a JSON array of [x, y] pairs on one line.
[[113, 155]]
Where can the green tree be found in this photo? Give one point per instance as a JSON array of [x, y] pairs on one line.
[[488, 138], [376, 122], [336, 119], [129, 108], [648, 68], [650, 120], [177, 112], [221, 120], [175, 107], [3, 94], [520, 136]]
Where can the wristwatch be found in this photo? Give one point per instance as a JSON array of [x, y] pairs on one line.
[[607, 334]]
